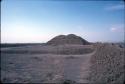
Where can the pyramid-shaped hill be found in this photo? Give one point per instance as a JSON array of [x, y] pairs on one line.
[[67, 39]]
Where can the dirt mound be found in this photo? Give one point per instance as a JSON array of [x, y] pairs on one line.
[[107, 65], [67, 39]]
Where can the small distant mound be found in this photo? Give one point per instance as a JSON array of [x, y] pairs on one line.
[[67, 39]]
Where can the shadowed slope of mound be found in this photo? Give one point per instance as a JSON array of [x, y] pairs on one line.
[[107, 65], [69, 39]]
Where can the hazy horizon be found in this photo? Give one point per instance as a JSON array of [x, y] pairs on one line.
[[36, 21]]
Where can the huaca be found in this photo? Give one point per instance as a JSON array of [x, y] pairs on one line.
[[67, 39]]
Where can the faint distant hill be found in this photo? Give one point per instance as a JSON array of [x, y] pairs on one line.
[[67, 39]]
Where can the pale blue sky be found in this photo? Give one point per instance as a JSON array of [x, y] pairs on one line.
[[40, 20]]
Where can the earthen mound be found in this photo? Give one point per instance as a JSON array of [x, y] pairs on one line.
[[67, 39]]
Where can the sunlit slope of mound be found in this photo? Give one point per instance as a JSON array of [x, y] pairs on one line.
[[67, 39], [107, 64]]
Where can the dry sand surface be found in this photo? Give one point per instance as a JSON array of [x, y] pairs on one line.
[[47, 64], [51, 64]]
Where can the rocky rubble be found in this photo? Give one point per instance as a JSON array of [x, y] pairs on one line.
[[107, 65]]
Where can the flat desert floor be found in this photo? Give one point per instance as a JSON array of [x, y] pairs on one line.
[[44, 64]]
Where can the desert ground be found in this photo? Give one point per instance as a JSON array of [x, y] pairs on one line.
[[95, 63]]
